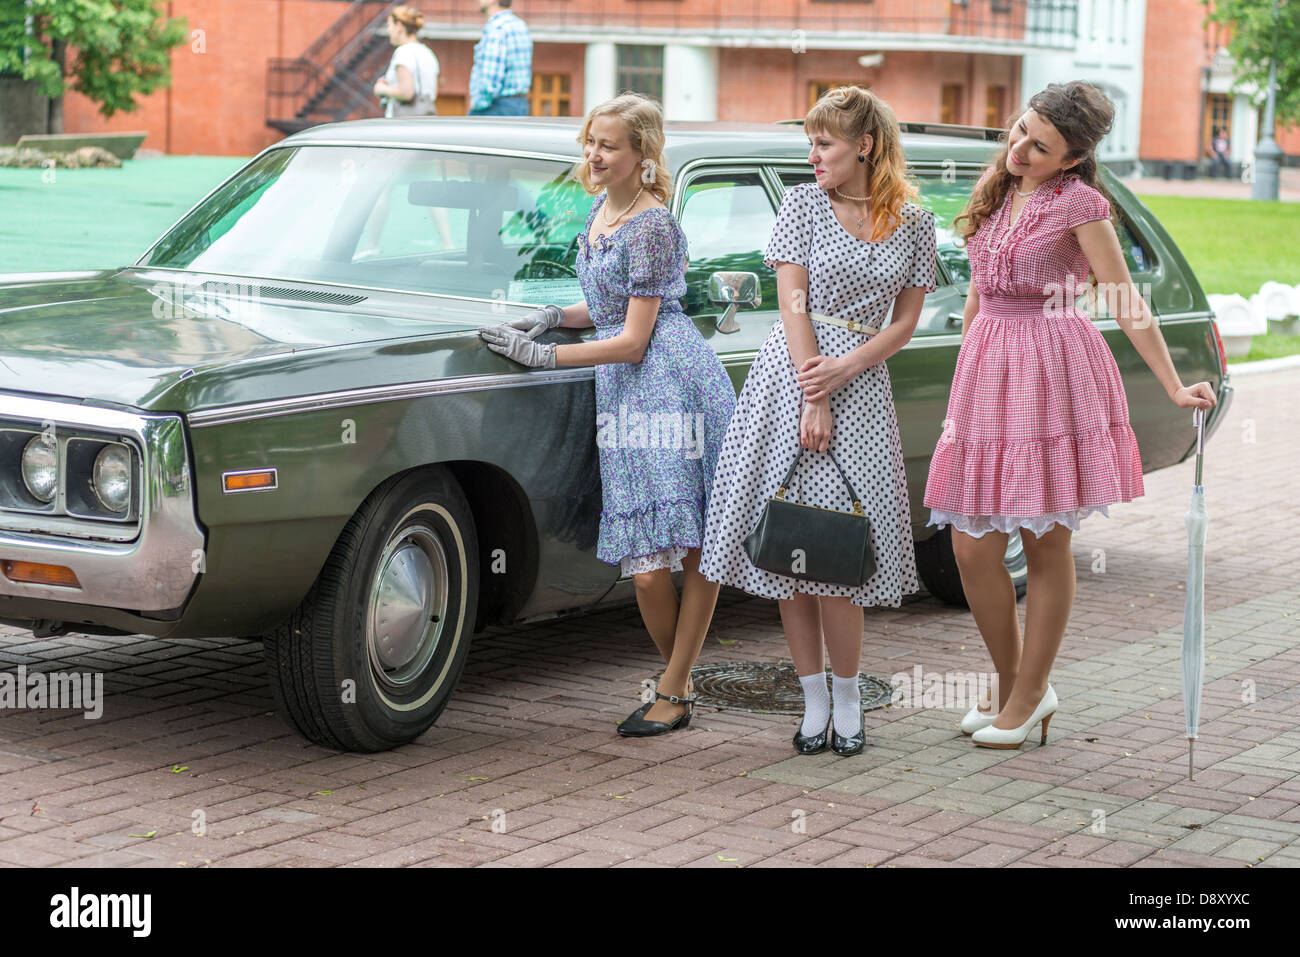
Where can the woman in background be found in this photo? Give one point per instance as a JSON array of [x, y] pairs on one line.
[[409, 87]]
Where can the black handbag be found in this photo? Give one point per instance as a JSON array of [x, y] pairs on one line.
[[812, 543]]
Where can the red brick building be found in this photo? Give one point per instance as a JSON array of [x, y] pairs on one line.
[[1188, 91]]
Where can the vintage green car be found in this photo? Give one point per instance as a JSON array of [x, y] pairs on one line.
[[281, 422]]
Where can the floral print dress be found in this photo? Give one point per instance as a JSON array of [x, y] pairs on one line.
[[660, 422]]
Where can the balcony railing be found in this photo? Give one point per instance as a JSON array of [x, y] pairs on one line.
[[1049, 24]]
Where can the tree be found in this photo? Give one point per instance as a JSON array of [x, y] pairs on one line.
[[1257, 37], [119, 48]]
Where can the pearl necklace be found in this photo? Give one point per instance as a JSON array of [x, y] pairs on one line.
[[997, 248], [605, 216], [856, 199], [1035, 189]]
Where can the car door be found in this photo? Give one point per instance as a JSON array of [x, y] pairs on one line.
[[727, 212]]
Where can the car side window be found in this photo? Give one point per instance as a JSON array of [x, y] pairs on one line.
[[945, 200], [1135, 254], [946, 196], [727, 218]]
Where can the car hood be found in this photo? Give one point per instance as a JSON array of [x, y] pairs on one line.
[[168, 341]]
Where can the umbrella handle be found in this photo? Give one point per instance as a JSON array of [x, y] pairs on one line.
[[1198, 421]]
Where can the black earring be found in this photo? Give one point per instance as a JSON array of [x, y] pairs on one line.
[[862, 157]]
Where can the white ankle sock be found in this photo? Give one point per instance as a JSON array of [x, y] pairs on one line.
[[816, 704], [848, 705]]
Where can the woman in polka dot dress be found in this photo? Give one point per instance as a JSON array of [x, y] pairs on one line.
[[845, 248], [1037, 435]]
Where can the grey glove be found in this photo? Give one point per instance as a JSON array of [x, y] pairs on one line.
[[533, 324], [516, 346]]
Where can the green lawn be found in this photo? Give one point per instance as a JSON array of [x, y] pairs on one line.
[[1272, 346], [1233, 245], [98, 218]]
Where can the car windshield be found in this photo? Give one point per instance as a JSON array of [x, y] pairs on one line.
[[497, 227]]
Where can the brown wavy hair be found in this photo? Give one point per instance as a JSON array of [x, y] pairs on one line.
[[1081, 113], [410, 18], [851, 112], [644, 122]]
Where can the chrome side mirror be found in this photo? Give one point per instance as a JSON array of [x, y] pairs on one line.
[[733, 289]]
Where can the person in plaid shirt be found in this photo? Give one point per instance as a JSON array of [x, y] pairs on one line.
[[503, 64]]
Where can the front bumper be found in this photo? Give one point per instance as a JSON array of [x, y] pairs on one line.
[[155, 571]]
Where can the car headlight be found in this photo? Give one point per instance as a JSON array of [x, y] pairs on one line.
[[111, 477], [40, 465]]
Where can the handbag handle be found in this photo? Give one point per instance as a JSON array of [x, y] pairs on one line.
[[785, 483]]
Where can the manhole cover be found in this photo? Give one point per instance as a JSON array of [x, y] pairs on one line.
[[769, 688]]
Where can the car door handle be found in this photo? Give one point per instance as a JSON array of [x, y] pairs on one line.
[[955, 319]]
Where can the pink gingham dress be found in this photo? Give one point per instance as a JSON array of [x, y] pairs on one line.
[[1037, 432]]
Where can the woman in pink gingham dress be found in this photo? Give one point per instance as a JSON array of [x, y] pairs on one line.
[[1037, 434]]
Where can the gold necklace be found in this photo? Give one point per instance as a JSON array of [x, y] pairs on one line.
[[605, 216]]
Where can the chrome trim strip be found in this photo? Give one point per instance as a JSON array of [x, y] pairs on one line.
[[1163, 317], [229, 414], [263, 277], [275, 479], [156, 571]]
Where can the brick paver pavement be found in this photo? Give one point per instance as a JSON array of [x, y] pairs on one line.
[[524, 767]]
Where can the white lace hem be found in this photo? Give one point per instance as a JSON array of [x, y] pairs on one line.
[[977, 525], [670, 558]]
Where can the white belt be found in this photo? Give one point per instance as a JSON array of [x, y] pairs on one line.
[[850, 324]]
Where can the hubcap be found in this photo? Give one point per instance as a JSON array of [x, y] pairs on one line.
[[408, 606]]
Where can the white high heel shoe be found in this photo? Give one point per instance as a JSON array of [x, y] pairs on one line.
[[991, 737], [976, 719]]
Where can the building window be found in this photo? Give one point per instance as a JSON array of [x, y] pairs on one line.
[[995, 108], [950, 110], [549, 95], [819, 88], [641, 70]]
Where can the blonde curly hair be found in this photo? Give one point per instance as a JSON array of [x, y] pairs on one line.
[[644, 122]]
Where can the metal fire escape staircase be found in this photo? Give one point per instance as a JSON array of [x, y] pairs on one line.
[[333, 79]]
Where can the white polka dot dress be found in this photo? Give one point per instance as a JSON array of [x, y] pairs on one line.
[[848, 278]]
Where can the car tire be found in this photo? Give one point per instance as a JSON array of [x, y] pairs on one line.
[[937, 567], [370, 657]]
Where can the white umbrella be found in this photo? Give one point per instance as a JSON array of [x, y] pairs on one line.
[[1194, 608]]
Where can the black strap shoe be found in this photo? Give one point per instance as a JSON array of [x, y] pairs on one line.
[[635, 725]]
